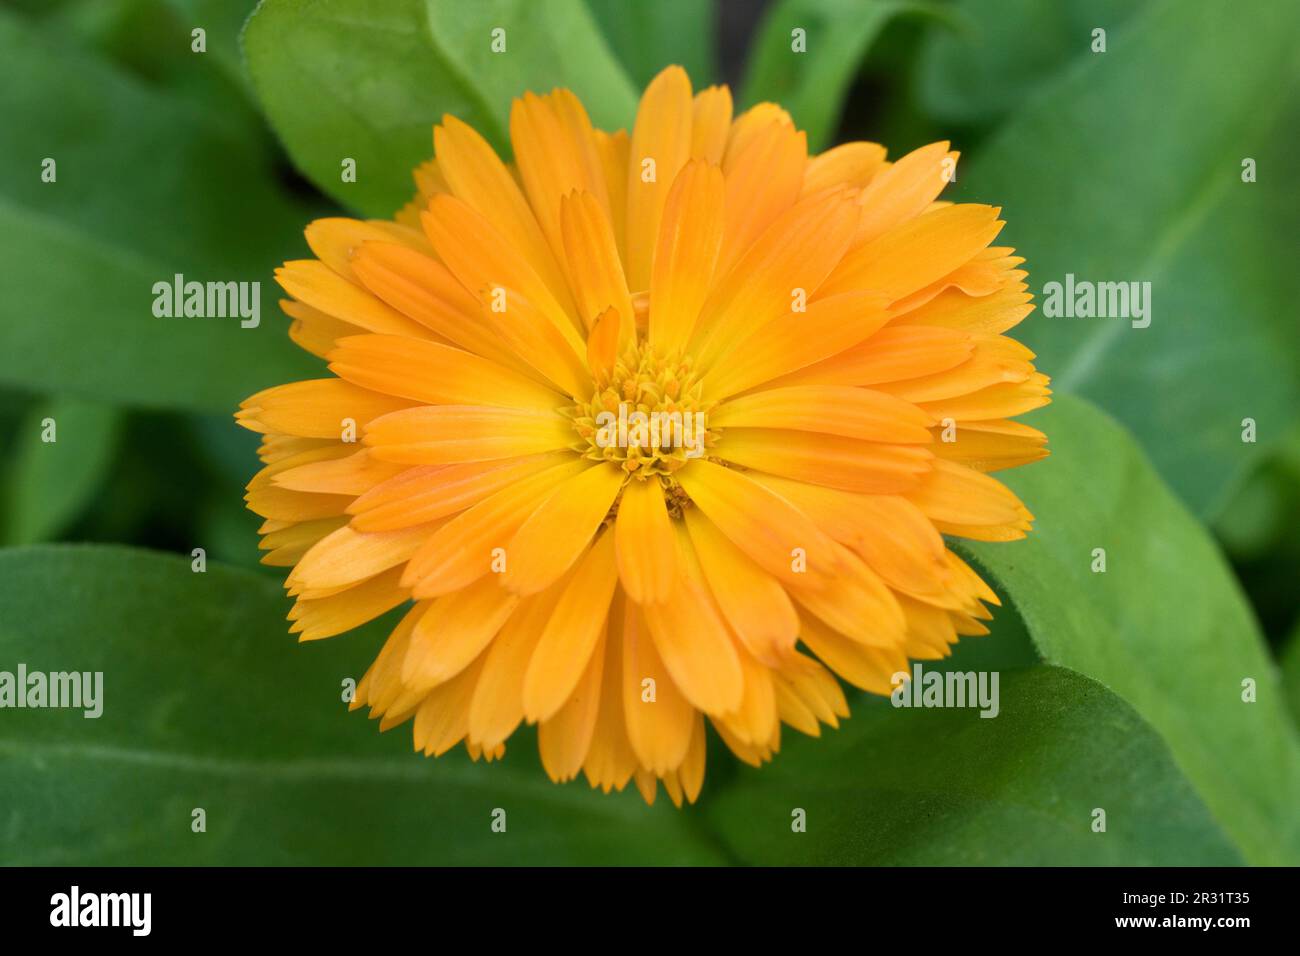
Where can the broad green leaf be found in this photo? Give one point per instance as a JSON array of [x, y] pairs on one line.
[[97, 336], [146, 187], [1291, 671], [649, 36], [153, 41], [812, 83], [368, 80], [223, 20], [64, 448], [556, 43], [944, 787], [998, 52], [1129, 169], [209, 703], [1165, 626]]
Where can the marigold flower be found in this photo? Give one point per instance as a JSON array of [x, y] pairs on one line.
[[647, 429]]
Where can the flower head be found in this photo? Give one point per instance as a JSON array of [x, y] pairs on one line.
[[648, 432]]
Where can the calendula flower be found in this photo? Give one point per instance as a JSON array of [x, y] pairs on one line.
[[647, 429]]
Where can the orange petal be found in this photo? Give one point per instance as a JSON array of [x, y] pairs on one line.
[[660, 146]]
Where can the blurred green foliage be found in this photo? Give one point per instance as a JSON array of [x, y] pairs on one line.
[[1122, 165]]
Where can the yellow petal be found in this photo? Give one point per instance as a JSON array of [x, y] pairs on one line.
[[321, 408], [433, 373], [465, 548], [336, 613], [475, 174], [498, 704], [572, 633], [322, 288], [448, 434], [556, 151], [535, 340], [443, 718], [612, 149], [858, 604], [455, 631], [870, 668], [691, 772], [426, 493], [756, 718], [424, 289], [996, 401], [313, 330], [954, 494], [904, 190], [991, 314], [797, 340], [659, 717], [895, 353], [764, 526], [660, 146], [917, 253], [692, 638], [847, 463], [347, 556], [764, 166], [991, 445], [796, 252], [553, 537], [564, 738], [484, 260], [851, 164], [829, 409], [286, 546], [710, 123], [594, 267], [354, 475], [602, 344], [689, 239], [610, 761], [646, 548], [753, 602]]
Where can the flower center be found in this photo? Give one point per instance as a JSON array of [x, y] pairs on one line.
[[646, 415]]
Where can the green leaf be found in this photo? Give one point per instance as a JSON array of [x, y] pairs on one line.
[[52, 481], [146, 187], [944, 787], [153, 41], [812, 84], [1129, 169], [97, 336], [1165, 626], [998, 52], [367, 81], [208, 703], [649, 36], [547, 45], [1290, 662]]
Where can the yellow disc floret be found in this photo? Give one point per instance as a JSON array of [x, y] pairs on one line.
[[647, 415]]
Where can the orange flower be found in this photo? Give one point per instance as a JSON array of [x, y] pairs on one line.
[[647, 429]]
